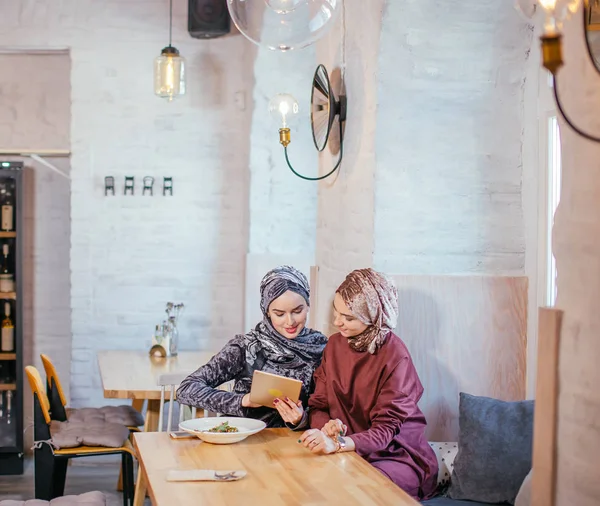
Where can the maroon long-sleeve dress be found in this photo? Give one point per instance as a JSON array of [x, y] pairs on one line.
[[376, 396]]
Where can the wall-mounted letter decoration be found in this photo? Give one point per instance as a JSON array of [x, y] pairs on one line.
[[148, 185], [168, 186], [109, 185], [129, 185]]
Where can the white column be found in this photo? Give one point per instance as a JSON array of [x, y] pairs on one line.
[[576, 244]]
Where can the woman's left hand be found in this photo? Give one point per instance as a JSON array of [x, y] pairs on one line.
[[290, 412], [317, 442]]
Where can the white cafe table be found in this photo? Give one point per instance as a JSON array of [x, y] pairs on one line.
[[133, 375]]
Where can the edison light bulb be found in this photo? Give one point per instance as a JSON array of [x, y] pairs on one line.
[[557, 11], [169, 74], [284, 109], [283, 6]]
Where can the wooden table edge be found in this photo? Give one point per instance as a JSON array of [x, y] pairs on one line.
[[142, 469]]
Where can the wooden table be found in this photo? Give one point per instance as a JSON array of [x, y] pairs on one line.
[[133, 375], [280, 472]]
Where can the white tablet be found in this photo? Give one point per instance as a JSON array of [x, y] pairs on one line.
[[267, 387]]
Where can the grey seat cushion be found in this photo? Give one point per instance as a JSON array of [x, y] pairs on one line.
[[124, 415], [494, 449], [72, 434], [88, 499]]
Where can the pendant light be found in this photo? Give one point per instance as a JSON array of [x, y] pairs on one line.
[[169, 68], [283, 25]]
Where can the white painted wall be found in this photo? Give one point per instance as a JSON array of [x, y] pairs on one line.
[[283, 207], [449, 153], [346, 203], [440, 167], [456, 179]]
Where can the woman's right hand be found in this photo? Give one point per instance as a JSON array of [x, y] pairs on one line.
[[334, 428], [246, 403], [290, 411]]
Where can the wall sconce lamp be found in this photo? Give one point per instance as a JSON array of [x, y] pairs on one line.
[[324, 109], [555, 12]]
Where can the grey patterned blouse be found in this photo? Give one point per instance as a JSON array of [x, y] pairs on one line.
[[231, 363]]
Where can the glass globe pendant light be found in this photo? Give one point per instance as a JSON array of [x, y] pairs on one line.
[[284, 24], [169, 68]]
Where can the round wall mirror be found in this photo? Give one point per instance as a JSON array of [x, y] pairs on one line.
[[324, 108], [592, 29]]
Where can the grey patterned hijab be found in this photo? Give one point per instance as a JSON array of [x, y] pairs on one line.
[[297, 357]]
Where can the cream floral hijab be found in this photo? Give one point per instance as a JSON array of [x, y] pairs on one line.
[[373, 299]]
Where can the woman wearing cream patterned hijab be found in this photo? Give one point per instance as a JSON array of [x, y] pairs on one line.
[[367, 389]]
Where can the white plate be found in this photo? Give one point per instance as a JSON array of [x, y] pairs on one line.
[[200, 427]]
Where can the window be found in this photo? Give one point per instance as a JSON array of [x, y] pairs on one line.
[[553, 198]]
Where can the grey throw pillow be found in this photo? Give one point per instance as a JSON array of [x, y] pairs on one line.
[[495, 441]]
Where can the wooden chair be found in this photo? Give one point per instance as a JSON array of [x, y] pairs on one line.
[[50, 465], [172, 382], [56, 396]]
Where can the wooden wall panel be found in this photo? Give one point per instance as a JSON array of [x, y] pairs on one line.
[[465, 334]]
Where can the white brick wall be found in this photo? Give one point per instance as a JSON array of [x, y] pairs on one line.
[[449, 167], [345, 219], [130, 255], [431, 179], [283, 207]]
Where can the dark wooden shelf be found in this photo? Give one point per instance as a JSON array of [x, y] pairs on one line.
[[8, 356], [8, 235], [8, 295], [7, 386]]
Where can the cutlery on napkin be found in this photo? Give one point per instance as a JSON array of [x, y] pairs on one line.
[[204, 475]]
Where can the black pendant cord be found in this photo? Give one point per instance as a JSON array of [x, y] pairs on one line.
[[306, 178], [170, 21], [576, 129]]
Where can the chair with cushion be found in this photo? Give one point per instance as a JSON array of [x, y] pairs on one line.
[[87, 499], [125, 415], [55, 442]]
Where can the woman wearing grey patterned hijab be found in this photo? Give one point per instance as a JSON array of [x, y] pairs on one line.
[[280, 344]]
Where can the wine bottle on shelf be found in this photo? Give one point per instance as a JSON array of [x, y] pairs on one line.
[[7, 218], [7, 280], [8, 409], [7, 341]]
